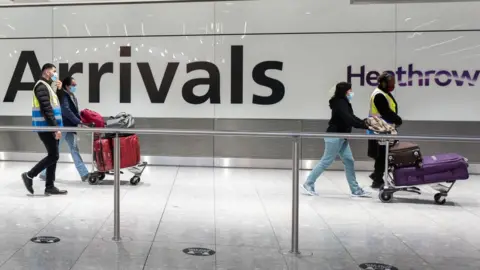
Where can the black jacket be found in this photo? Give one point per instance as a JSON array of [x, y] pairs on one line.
[[70, 111], [383, 108], [43, 97], [388, 115], [343, 119]]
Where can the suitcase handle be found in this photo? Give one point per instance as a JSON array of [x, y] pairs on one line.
[[381, 132]]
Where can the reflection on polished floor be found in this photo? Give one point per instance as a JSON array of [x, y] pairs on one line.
[[244, 215]]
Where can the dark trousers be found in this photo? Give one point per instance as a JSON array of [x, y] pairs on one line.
[[379, 166], [50, 161]]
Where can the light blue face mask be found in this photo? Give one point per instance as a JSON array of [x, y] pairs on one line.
[[54, 77], [73, 89], [350, 96]]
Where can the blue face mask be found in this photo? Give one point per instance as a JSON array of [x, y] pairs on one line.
[[73, 89], [350, 96], [54, 77]]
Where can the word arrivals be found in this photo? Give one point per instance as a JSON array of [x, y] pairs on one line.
[[158, 94]]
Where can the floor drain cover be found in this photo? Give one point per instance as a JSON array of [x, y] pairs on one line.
[[45, 239], [377, 266], [199, 251]]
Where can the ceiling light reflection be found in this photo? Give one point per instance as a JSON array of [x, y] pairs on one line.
[[66, 29], [244, 30], [86, 29], [438, 44], [461, 50]]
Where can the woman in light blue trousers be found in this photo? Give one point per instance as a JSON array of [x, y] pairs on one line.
[[342, 121]]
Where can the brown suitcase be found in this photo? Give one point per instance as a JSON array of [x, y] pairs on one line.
[[405, 154]]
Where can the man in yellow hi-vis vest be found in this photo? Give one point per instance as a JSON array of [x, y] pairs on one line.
[[46, 111], [383, 105]]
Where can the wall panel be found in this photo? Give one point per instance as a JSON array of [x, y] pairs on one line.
[[134, 20], [19, 71], [16, 23], [457, 15], [292, 16], [262, 148], [308, 72], [440, 73], [163, 59]]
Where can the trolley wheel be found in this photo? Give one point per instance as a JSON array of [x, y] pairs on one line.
[[101, 176], [93, 180], [440, 198], [134, 180], [384, 196], [419, 164]]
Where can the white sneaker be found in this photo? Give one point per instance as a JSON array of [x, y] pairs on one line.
[[308, 190], [361, 194]]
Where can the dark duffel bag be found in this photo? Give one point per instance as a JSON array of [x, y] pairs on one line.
[[405, 154]]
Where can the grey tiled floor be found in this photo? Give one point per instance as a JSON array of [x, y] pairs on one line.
[[242, 214]]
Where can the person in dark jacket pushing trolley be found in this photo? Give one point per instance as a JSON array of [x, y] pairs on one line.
[[342, 121], [46, 111], [382, 105]]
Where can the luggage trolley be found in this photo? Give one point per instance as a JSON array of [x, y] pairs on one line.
[[389, 188], [97, 175]]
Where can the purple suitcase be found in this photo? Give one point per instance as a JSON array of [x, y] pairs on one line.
[[436, 169]]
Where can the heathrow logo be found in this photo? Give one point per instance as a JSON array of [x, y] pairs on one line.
[[413, 77]]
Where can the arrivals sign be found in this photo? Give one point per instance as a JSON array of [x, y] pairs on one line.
[[157, 87]]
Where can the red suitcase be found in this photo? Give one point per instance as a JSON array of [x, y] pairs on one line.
[[103, 155], [129, 151]]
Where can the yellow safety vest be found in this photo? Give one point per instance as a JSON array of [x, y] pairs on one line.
[[373, 108], [38, 119]]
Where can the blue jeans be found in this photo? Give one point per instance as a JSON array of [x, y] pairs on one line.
[[336, 147], [71, 139]]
